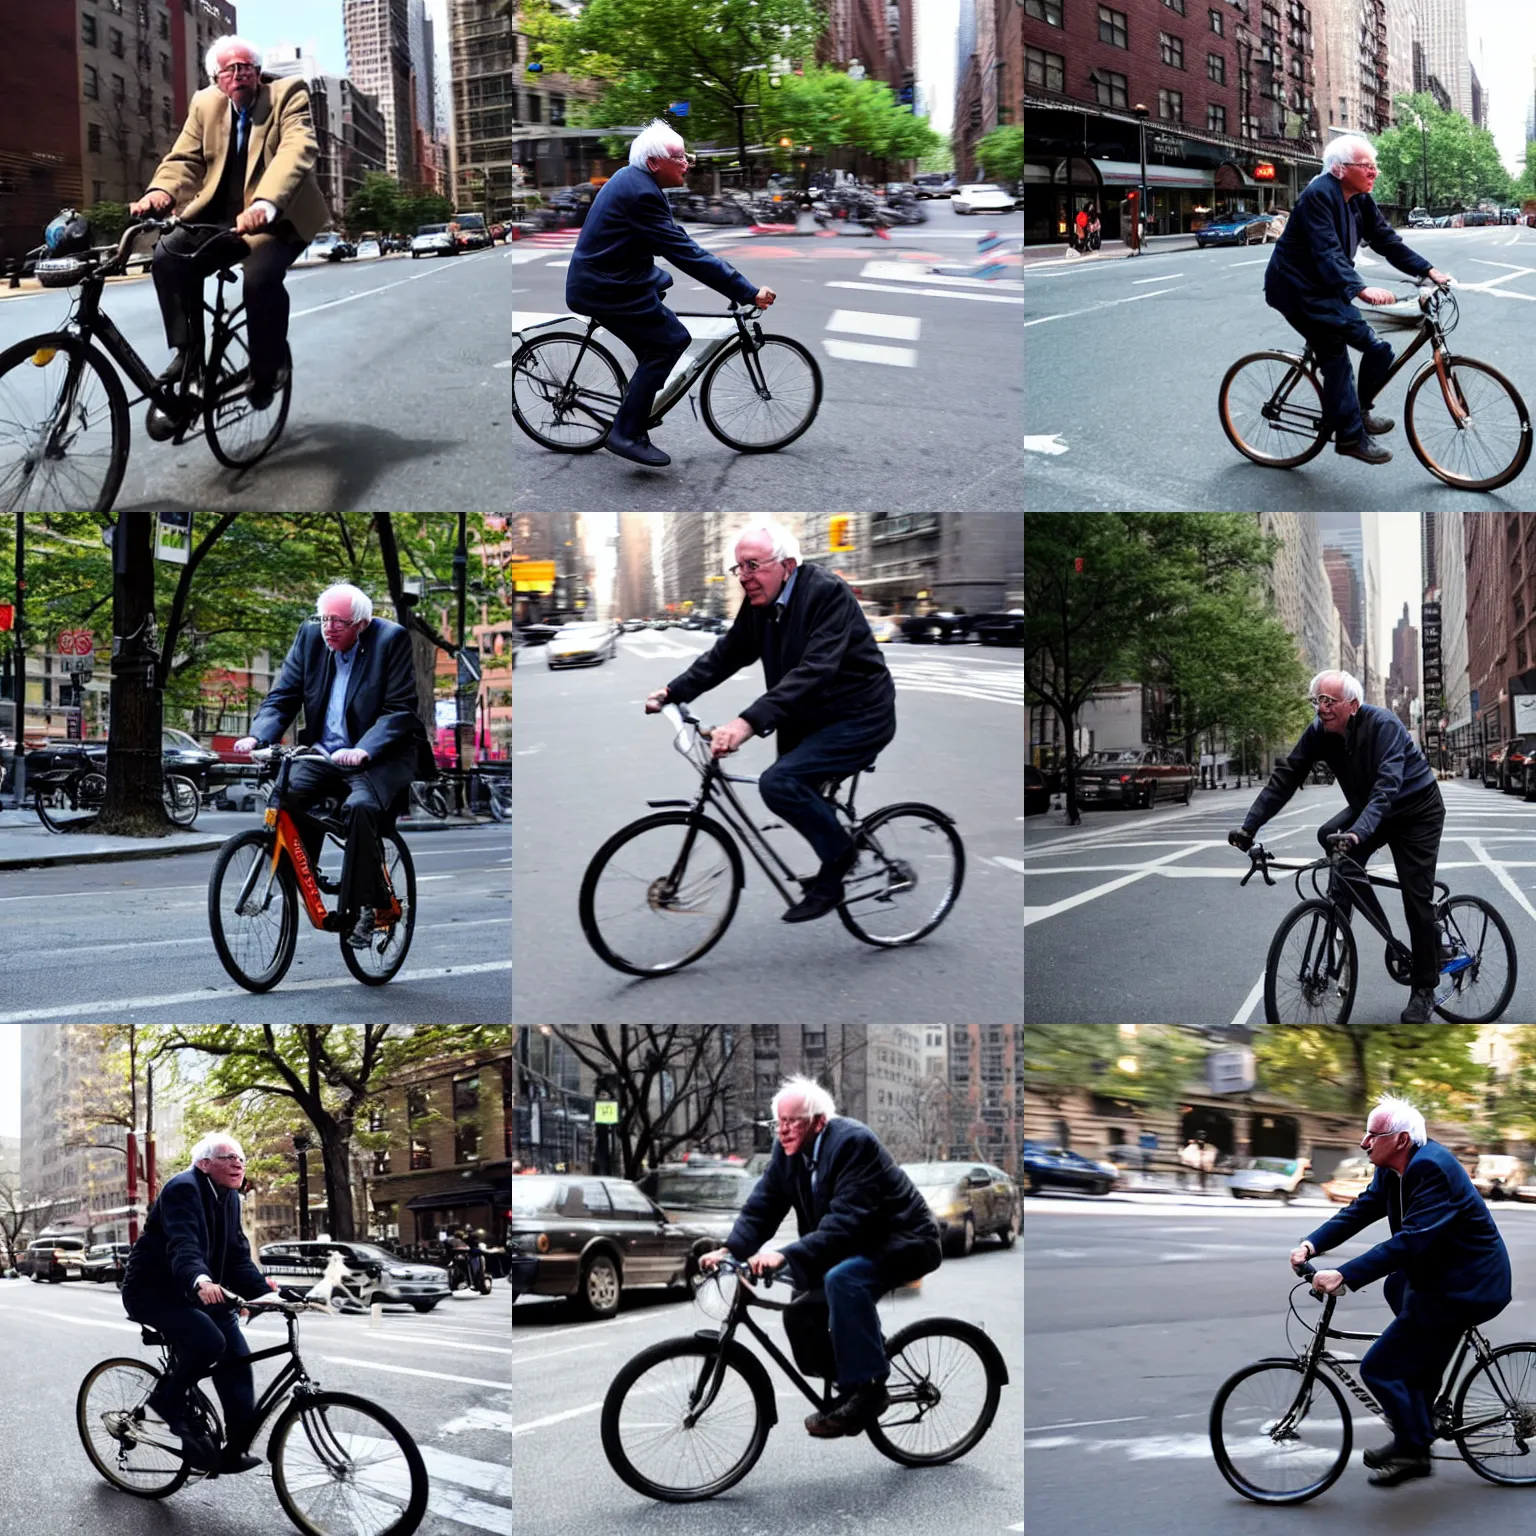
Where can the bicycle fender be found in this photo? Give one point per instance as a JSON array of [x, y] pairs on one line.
[[910, 805], [685, 804], [984, 1344], [756, 1373]]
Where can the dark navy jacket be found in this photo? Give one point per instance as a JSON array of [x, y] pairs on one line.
[[630, 222], [821, 662], [1377, 763], [863, 1206], [1443, 1240], [1312, 269], [193, 1229]]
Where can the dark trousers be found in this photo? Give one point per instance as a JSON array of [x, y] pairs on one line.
[[185, 257], [844, 1304], [204, 1339], [1403, 1368], [657, 338], [362, 869], [1331, 339], [791, 788], [1412, 832]]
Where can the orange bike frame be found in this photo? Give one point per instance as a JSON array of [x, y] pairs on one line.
[[286, 839]]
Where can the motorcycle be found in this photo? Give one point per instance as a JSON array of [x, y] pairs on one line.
[[467, 1272]]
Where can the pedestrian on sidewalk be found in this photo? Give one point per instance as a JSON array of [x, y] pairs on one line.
[[1189, 1159], [1080, 224]]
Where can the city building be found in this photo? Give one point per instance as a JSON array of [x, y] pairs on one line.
[[870, 39], [953, 562], [1355, 572], [1445, 580], [547, 151], [1501, 624], [1443, 30], [635, 588], [989, 71], [349, 129], [378, 40], [1353, 60], [484, 107], [1403, 678]]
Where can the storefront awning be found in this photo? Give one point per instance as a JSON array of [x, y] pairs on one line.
[[466, 1194], [1126, 173]]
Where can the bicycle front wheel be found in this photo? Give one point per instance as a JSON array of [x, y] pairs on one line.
[[1475, 986], [390, 942], [652, 1439], [1496, 1416], [660, 893], [63, 427], [1272, 410], [237, 431], [1473, 433], [909, 872], [562, 406], [761, 400], [255, 925], [342, 1466], [181, 799], [1278, 1437], [944, 1395], [499, 794], [1312, 970], [59, 807], [125, 1442]]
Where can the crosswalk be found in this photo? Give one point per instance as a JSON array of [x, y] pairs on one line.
[[992, 684]]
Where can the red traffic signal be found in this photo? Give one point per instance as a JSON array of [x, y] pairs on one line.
[[7, 615], [1077, 565]]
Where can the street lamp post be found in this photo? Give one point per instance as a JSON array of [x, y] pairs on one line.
[[1424, 145], [1142, 113]]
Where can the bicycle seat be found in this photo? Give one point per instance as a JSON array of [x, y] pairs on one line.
[[152, 1338]]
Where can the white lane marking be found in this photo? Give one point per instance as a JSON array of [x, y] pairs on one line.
[[478, 1418], [862, 322], [314, 309], [556, 1418], [1037, 914], [1249, 1003], [906, 272], [483, 1476], [1047, 444], [1016, 865], [1475, 844], [866, 352], [97, 949], [1166, 277], [526, 319], [406, 1370], [1107, 304], [1258, 261], [1042, 1429], [148, 890], [934, 293], [208, 995]]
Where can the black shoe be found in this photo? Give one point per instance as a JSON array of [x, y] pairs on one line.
[[1364, 450], [637, 449], [839, 866], [853, 1415], [1376, 425], [819, 899], [1421, 1003], [363, 930], [1400, 1469], [173, 370], [1380, 1455], [263, 391], [172, 1409], [231, 1464]]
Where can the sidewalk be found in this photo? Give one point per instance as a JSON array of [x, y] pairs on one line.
[[1057, 255]]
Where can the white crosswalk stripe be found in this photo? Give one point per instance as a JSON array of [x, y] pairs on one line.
[[860, 322], [992, 685]]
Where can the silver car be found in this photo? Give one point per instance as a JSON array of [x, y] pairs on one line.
[[1268, 1178], [369, 1274]]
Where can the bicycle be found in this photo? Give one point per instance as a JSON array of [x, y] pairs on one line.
[[1312, 971], [660, 893], [73, 797], [688, 1418], [340, 1464], [1471, 430], [64, 432], [758, 392], [1281, 1430], [260, 875]]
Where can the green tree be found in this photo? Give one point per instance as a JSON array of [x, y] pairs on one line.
[[375, 204], [1464, 164], [108, 221], [1151, 1065], [1002, 152], [825, 108]]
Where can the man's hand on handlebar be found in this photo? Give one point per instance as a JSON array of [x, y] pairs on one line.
[[1439, 278], [654, 704], [765, 297], [1343, 840], [725, 739], [710, 1261], [349, 757], [1240, 838], [1329, 1281], [1301, 1253], [155, 204], [246, 744], [1378, 296]]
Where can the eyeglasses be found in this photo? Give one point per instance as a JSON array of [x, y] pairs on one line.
[[1319, 699], [228, 1157], [239, 69], [1372, 1135], [684, 159], [330, 621], [751, 567], [787, 1125]]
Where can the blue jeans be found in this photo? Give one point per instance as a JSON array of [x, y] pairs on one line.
[[1331, 338], [853, 1287], [657, 338], [790, 788], [205, 1339]]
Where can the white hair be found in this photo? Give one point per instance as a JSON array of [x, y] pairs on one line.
[[785, 546], [210, 1144], [1402, 1116], [809, 1092], [362, 604], [656, 141], [1347, 147], [1348, 683], [220, 46]]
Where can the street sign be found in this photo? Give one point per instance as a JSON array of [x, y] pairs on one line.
[[678, 109], [173, 537], [76, 642], [533, 575], [82, 664], [605, 1112]]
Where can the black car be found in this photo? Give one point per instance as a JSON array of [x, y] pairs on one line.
[[591, 1239], [1056, 1168], [537, 634], [179, 752], [999, 628], [53, 1259], [106, 1262], [936, 628], [1037, 792]]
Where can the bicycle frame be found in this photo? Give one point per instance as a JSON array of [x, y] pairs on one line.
[[704, 1394]]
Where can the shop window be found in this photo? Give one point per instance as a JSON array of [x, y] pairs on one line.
[[1112, 28], [1170, 105], [1045, 69]]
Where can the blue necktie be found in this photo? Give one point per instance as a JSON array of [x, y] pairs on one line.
[[242, 122]]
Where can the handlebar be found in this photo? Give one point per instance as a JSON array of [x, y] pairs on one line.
[[680, 717], [131, 232], [277, 752]]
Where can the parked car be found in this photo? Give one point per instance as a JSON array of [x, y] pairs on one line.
[[1037, 793], [1499, 1177], [1518, 751], [885, 629], [106, 1262], [1349, 1179], [433, 240], [1237, 229], [999, 628], [1268, 1178], [54, 1259], [328, 245], [631, 626], [1420, 218], [934, 183], [1135, 776], [708, 1194], [369, 1273], [580, 645], [180, 753], [982, 197], [936, 628], [592, 1239], [367, 250], [1492, 766], [470, 231], [968, 1200], [1054, 1167]]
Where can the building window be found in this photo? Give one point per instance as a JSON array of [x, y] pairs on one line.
[[165, 123], [1216, 119], [115, 42], [98, 191], [1175, 5], [165, 26], [1045, 69], [1112, 27], [1048, 11], [93, 137], [557, 111], [1173, 50], [466, 1119], [119, 90], [1111, 89], [91, 86], [1216, 68], [88, 31], [1344, 111], [1170, 105], [415, 1113], [1216, 24], [165, 66]]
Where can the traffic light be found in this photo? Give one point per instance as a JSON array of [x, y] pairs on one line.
[[840, 533]]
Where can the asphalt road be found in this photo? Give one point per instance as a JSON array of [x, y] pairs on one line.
[[1137, 1311], [923, 378], [1136, 917], [398, 401], [562, 1367], [587, 759], [444, 1374], [92, 941], [1126, 357]]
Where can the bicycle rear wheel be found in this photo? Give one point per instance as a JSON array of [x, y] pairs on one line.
[[660, 893], [181, 799], [1312, 970], [1496, 1416], [59, 807], [1485, 442], [560, 411], [125, 1442], [1278, 436], [342, 1466], [254, 933], [1477, 984], [754, 419], [238, 433], [1278, 1438], [64, 428], [944, 1394], [388, 946], [909, 872]]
